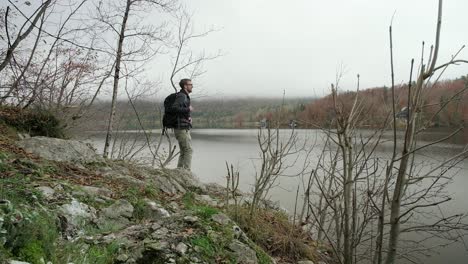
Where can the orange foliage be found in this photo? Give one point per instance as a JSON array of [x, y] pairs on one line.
[[376, 105]]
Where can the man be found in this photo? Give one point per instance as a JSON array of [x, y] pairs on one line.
[[183, 109]]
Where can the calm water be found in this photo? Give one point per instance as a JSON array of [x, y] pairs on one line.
[[214, 147]]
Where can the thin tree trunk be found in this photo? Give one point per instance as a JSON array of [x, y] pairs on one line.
[[116, 79], [407, 148]]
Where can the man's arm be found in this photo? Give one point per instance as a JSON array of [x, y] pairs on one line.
[[178, 106]]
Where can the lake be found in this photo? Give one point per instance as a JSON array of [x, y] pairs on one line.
[[214, 147]]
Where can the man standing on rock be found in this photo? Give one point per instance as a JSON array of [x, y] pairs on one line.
[[183, 109]]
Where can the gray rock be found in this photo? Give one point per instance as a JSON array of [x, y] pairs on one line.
[[244, 254], [122, 258], [124, 178], [188, 180], [156, 246], [23, 135], [305, 262], [181, 248], [160, 233], [239, 234], [107, 239], [77, 214], [58, 188], [155, 226], [89, 239], [17, 262], [116, 216], [60, 149], [168, 185], [99, 200], [176, 181], [191, 219], [221, 219], [157, 211], [46, 191], [195, 259], [206, 199], [96, 191], [121, 208], [215, 188], [174, 206]]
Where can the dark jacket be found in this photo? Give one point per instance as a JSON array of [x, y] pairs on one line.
[[181, 106]]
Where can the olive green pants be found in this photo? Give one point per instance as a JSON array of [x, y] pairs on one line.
[[185, 146]]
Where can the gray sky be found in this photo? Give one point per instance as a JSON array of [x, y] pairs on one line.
[[299, 45]]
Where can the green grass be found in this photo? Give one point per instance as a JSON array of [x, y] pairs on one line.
[[203, 211], [210, 249], [80, 253], [212, 246], [136, 197], [32, 238], [205, 244], [4, 166], [262, 256], [141, 210]]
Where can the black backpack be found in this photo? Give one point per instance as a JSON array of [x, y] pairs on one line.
[[169, 118]]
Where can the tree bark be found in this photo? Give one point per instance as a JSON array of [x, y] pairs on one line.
[[116, 78]]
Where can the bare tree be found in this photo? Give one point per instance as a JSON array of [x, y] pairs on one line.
[[185, 61], [23, 32], [136, 51], [51, 69], [232, 186], [410, 147], [358, 190]]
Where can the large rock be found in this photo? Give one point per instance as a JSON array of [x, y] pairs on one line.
[[121, 208], [156, 210], [206, 199], [73, 216], [60, 149], [77, 213], [176, 181], [17, 262], [46, 191], [116, 216], [221, 219], [244, 254]]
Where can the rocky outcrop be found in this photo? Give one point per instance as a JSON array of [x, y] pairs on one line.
[[60, 149], [141, 210]]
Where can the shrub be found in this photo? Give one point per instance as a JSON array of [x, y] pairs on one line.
[[36, 123], [273, 231]]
